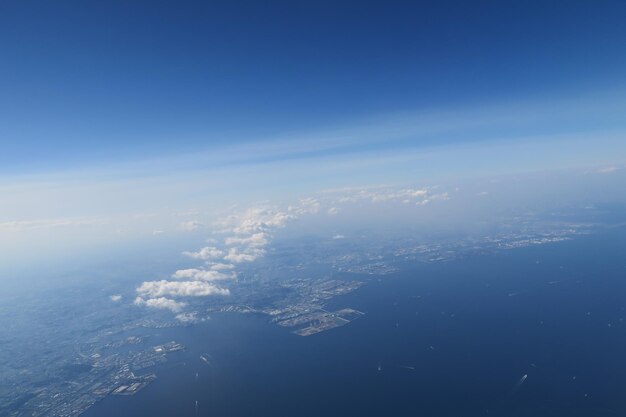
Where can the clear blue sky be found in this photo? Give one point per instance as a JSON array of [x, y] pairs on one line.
[[93, 81]]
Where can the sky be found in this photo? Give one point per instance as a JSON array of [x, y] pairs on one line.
[[85, 82], [118, 119]]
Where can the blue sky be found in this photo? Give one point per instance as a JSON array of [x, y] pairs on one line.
[[116, 116], [92, 82]]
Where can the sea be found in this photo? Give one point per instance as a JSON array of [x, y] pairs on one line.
[[535, 331]]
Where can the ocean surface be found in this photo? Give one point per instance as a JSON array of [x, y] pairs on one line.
[[537, 331]]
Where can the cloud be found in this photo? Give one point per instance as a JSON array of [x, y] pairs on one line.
[[249, 255], [433, 197], [157, 232], [257, 239], [206, 253], [257, 219], [187, 213], [115, 298], [189, 318], [249, 235], [200, 275], [161, 303], [377, 195], [220, 266], [608, 170], [191, 225], [252, 227], [155, 289], [306, 206], [250, 231], [49, 223]]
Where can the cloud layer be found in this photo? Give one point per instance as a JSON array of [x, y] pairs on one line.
[[247, 233]]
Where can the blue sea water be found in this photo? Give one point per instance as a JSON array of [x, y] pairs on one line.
[[453, 338]]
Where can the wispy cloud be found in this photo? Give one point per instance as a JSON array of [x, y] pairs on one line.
[[39, 224], [609, 169]]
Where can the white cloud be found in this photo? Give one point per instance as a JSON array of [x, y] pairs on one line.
[[191, 225], [250, 231], [378, 194], [237, 256], [608, 170], [157, 232], [206, 253], [220, 266], [200, 275], [257, 239], [161, 303], [154, 289], [188, 318], [258, 219], [115, 298], [433, 197], [307, 205], [49, 223]]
